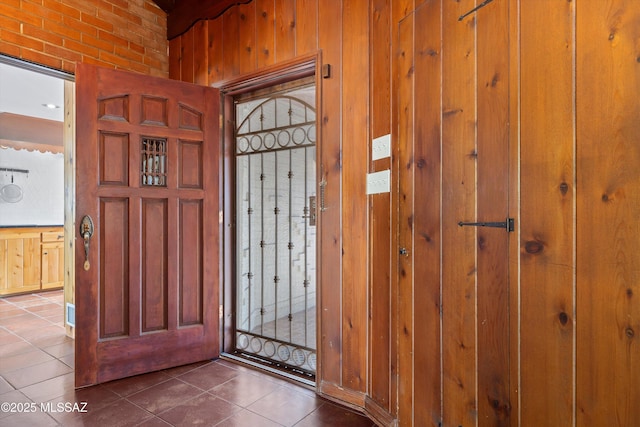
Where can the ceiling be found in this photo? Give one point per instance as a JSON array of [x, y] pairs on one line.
[[24, 116], [26, 93]]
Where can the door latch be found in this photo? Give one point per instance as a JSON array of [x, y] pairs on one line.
[[508, 225]]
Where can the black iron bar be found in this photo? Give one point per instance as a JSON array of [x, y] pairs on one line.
[[507, 225], [475, 9]]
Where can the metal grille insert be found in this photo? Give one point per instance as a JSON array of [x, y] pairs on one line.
[[153, 162], [276, 234]]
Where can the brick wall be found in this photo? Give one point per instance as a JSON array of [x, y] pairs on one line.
[[124, 34]]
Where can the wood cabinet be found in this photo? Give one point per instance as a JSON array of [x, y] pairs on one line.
[[31, 259], [52, 259]]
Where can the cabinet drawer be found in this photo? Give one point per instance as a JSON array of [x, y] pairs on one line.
[[53, 236]]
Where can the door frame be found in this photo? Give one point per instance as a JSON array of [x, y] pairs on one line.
[[300, 67]]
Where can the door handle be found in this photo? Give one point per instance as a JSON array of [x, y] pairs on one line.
[[86, 231]]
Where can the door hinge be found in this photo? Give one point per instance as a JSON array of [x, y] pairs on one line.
[[220, 217], [508, 225], [221, 311]]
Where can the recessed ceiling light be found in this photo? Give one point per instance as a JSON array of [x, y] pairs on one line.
[[51, 106]]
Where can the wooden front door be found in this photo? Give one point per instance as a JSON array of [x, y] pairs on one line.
[[147, 157]]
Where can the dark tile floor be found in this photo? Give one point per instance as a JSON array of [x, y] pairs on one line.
[[36, 375]]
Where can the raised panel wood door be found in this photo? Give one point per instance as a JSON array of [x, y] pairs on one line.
[[147, 164]]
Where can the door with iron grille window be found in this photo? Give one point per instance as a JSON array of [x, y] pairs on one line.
[[275, 176]]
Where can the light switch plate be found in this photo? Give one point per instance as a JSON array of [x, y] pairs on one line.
[[379, 182], [381, 147]]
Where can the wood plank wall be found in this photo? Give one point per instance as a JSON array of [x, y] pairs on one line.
[[537, 100], [523, 109], [261, 33]]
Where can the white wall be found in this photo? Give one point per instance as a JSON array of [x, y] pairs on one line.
[[43, 188]]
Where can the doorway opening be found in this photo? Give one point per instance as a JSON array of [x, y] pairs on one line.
[[275, 180], [35, 146]]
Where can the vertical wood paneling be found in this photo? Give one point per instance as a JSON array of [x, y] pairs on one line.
[[306, 26], [285, 29], [458, 203], [355, 167], [230, 43], [265, 34], [547, 213], [608, 208], [247, 37], [493, 352], [382, 341], [175, 58], [330, 246], [215, 54], [187, 55], [427, 196], [405, 127], [200, 58]]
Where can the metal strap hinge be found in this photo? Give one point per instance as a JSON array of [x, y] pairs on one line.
[[508, 225]]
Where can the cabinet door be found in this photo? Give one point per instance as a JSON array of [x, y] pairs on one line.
[[19, 263], [52, 265]]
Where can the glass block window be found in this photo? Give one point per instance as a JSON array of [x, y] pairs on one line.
[[154, 162]]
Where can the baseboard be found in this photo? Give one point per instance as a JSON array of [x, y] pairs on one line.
[[378, 414]]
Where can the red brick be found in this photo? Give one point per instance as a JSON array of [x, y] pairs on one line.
[[82, 6], [9, 49], [129, 35], [115, 20], [153, 8], [136, 47], [131, 18], [103, 5], [128, 53], [143, 13], [12, 3], [40, 58], [98, 43], [63, 30], [153, 63], [95, 61], [62, 53], [69, 66], [141, 68], [81, 48], [30, 19], [20, 40], [41, 11], [159, 73], [114, 59], [80, 26], [40, 34], [9, 24], [115, 40], [123, 4], [97, 22], [63, 9]]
